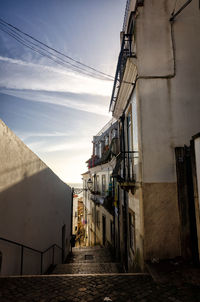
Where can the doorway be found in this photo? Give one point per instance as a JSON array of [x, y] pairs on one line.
[[63, 242], [104, 229], [188, 231]]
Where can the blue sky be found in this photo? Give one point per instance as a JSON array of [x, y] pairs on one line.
[[54, 110]]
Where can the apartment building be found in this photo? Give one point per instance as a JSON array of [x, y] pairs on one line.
[[98, 186], [155, 99]]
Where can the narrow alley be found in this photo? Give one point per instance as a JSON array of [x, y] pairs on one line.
[[100, 151], [90, 275]]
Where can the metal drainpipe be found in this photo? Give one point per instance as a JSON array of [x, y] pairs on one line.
[[123, 146], [126, 230], [124, 196], [72, 199], [119, 212], [95, 223], [180, 10], [114, 218]]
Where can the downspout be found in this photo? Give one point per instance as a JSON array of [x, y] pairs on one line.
[[124, 197], [173, 15], [114, 219], [72, 200], [123, 146], [95, 221]]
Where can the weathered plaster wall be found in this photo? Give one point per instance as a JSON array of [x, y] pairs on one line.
[[169, 112], [161, 221], [34, 205], [136, 261], [197, 198]]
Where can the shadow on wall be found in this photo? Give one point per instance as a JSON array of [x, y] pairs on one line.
[[33, 212], [26, 165], [0, 260]]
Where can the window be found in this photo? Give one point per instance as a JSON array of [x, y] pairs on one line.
[[100, 150], [98, 219], [103, 184], [111, 230], [129, 134], [132, 230], [114, 133], [97, 183], [93, 214], [106, 140], [95, 150]]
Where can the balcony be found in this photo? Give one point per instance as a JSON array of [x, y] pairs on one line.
[[127, 51], [105, 200], [124, 170], [108, 153]]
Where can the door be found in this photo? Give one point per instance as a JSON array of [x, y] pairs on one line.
[[188, 231], [63, 242], [104, 229]]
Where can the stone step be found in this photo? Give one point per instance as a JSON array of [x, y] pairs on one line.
[[90, 254], [88, 268]]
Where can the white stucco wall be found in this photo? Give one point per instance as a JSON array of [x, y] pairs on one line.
[[197, 197], [197, 158], [170, 108], [34, 206]]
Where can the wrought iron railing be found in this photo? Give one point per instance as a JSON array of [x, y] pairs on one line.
[[127, 50], [112, 150], [124, 169], [126, 14], [41, 253]]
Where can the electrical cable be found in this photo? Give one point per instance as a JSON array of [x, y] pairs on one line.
[[61, 62], [53, 49]]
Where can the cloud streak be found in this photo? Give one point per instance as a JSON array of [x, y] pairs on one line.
[[75, 101], [21, 74]]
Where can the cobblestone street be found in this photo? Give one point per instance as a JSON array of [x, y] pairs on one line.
[[85, 285]]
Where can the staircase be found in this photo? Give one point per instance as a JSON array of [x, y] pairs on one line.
[[91, 275], [89, 260]]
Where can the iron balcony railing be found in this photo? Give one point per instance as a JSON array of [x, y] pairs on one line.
[[108, 153], [41, 253], [127, 51], [105, 200], [126, 14], [124, 169]]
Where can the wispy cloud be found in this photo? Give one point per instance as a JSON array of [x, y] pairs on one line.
[[28, 135], [21, 74], [65, 146], [61, 99]]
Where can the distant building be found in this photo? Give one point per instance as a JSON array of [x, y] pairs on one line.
[[75, 214], [99, 199], [80, 235]]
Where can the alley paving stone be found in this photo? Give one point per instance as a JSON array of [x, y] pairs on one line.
[[124, 287], [82, 284]]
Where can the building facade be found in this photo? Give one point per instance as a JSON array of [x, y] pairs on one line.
[[156, 102], [99, 198]]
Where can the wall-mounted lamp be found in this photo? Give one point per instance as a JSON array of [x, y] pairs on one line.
[[90, 184]]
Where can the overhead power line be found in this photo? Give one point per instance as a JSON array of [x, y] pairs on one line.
[[48, 54], [18, 35]]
